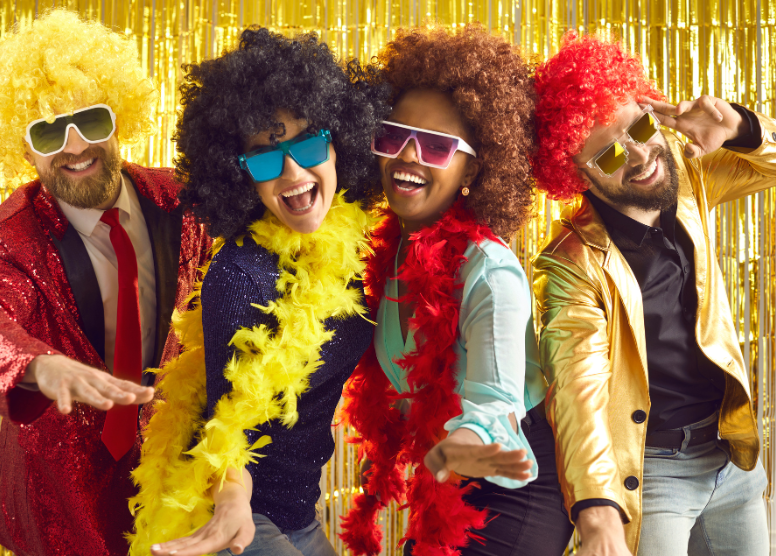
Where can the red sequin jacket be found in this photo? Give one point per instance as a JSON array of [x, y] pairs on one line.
[[61, 492]]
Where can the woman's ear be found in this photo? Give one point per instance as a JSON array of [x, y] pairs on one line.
[[473, 167]]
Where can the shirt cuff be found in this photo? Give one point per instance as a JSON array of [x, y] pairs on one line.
[[480, 431], [585, 504], [750, 140]]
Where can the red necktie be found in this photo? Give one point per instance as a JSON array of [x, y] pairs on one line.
[[120, 428]]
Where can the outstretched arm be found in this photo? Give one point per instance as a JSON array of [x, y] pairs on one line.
[[33, 373], [495, 313]]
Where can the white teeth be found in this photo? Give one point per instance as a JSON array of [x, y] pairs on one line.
[[81, 165], [646, 173], [298, 190], [404, 176], [304, 208]]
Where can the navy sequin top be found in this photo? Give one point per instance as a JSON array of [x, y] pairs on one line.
[[286, 481]]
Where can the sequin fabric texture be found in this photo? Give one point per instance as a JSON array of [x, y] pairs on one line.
[[286, 481], [61, 492]]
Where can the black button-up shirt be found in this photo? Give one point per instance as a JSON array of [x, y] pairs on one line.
[[684, 385]]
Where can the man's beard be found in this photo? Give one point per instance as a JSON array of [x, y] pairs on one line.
[[660, 197], [86, 192]]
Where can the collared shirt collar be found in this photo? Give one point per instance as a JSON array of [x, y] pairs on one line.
[[630, 228], [86, 220]]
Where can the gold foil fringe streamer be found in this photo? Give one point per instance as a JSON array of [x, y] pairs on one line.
[[726, 48]]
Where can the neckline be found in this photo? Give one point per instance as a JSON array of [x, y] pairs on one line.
[[393, 306]]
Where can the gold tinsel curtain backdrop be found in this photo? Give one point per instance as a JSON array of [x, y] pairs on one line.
[[725, 48]]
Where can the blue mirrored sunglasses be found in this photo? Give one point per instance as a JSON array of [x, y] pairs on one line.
[[307, 150]]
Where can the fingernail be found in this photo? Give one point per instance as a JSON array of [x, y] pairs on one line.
[[156, 547]]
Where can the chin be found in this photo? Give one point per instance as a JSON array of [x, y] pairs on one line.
[[307, 226]]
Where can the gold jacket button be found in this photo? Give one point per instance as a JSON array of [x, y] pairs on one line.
[[631, 483]]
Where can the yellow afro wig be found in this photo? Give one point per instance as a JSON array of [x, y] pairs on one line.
[[62, 63]]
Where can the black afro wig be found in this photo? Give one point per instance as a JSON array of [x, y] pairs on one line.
[[229, 99]]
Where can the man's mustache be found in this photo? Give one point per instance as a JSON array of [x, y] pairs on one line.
[[659, 150], [63, 159]]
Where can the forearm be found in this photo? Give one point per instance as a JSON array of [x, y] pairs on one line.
[[19, 352], [574, 350], [19, 399], [737, 171], [494, 321], [236, 485], [578, 414]]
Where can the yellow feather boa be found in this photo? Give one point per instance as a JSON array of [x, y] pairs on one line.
[[268, 374]]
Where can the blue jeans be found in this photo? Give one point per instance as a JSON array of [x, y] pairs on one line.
[[272, 541], [697, 503]]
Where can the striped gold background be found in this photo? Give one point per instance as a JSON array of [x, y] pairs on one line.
[[726, 48]]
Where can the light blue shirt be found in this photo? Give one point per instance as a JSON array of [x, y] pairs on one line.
[[498, 364]]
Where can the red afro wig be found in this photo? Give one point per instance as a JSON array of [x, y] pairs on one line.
[[584, 83]]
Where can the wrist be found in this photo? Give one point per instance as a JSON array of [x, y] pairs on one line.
[[31, 372], [231, 491], [596, 519], [738, 127], [466, 436]]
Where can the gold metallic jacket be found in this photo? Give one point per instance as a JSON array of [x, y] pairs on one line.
[[591, 332]]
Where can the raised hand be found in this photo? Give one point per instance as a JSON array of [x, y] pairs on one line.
[[708, 122], [65, 380], [464, 453]]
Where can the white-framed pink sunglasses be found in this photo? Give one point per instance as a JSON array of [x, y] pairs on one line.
[[434, 149]]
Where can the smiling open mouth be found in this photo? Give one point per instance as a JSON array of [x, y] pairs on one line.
[[647, 175], [300, 198], [80, 166], [407, 182]]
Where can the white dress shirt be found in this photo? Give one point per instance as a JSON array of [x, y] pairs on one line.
[[96, 237]]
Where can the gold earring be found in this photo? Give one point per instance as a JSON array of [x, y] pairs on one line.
[[464, 191]]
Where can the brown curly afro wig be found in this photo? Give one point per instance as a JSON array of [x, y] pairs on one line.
[[492, 87]]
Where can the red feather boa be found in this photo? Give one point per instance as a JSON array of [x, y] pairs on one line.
[[440, 521]]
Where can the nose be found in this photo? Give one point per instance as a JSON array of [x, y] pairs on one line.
[[75, 143], [638, 154], [409, 153], [291, 170]]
